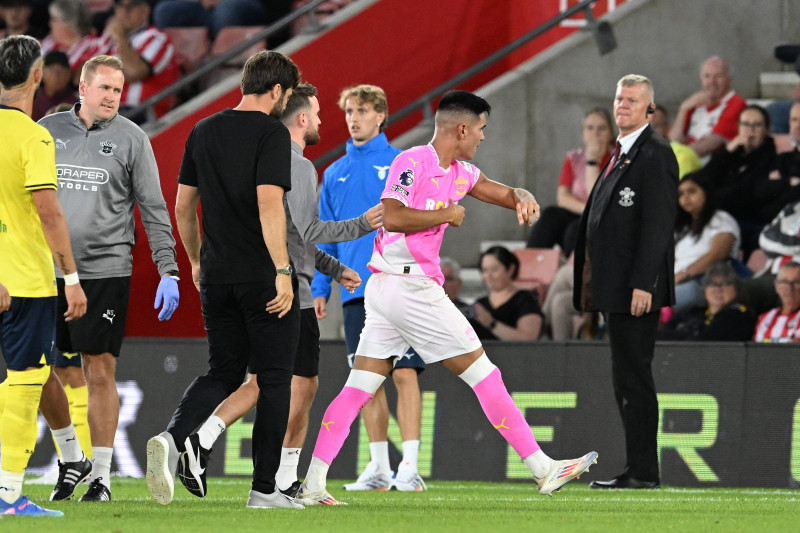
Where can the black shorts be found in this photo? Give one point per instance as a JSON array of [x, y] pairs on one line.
[[102, 328], [306, 360], [27, 331]]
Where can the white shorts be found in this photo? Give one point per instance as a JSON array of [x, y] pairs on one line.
[[404, 311]]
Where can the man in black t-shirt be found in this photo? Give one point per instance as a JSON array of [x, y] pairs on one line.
[[237, 166]]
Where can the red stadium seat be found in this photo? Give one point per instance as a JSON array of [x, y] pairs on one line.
[[537, 269], [191, 46], [230, 36], [757, 260]]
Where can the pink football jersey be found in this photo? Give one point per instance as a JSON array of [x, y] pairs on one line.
[[417, 181]]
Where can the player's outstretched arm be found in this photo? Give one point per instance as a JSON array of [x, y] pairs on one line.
[[401, 219], [520, 200], [56, 233]]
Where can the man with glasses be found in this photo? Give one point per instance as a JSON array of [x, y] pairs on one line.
[[146, 52], [782, 324]]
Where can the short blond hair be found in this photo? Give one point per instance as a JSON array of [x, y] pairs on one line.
[[631, 80], [90, 67], [367, 94]]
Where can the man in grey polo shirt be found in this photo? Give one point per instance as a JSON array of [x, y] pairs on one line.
[[104, 164]]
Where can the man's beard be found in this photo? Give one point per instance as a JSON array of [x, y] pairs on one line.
[[277, 109], [311, 138]]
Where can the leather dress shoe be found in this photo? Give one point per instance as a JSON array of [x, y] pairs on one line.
[[624, 482]]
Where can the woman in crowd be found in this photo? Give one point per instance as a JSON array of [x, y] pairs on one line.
[[506, 313], [71, 32], [745, 178], [558, 224], [724, 319], [704, 235]]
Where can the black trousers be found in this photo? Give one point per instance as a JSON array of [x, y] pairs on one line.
[[633, 342], [243, 337], [556, 226]]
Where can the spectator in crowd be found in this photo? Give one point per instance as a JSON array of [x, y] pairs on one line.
[[703, 236], [707, 119], [724, 319], [451, 271], [789, 162], [780, 241], [779, 110], [782, 324], [146, 52], [217, 14], [16, 14], [56, 87], [557, 309], [742, 175], [506, 313], [71, 32], [559, 223]]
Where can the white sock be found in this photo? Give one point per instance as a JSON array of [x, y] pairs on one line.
[[287, 471], [101, 464], [68, 444], [538, 463], [410, 454], [317, 475], [210, 431], [379, 451], [10, 485]]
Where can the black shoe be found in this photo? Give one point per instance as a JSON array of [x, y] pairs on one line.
[[192, 466], [624, 482], [291, 492], [97, 492], [69, 475]]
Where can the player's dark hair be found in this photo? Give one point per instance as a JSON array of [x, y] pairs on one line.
[[264, 69], [18, 54], [507, 258], [464, 101], [299, 99]]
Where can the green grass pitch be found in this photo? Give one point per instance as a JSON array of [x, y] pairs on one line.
[[444, 507]]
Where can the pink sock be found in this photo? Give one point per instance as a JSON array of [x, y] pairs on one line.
[[336, 422], [504, 414]]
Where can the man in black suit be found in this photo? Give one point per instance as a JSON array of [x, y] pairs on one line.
[[624, 263]]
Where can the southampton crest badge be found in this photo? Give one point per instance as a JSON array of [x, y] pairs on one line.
[[626, 197], [107, 148]]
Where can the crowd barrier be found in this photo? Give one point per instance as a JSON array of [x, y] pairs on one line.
[[729, 412]]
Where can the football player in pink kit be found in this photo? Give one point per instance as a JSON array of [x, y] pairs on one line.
[[407, 306]]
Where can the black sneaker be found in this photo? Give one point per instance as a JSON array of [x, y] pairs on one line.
[[192, 466], [69, 475], [97, 492], [291, 491]]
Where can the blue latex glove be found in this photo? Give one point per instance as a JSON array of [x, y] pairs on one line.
[[168, 293]]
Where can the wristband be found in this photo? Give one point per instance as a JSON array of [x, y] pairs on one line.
[[71, 279]]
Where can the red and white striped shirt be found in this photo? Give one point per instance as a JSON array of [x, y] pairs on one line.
[[154, 46], [773, 326], [78, 54]]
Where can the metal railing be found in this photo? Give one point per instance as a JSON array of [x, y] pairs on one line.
[[603, 35], [314, 26]]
